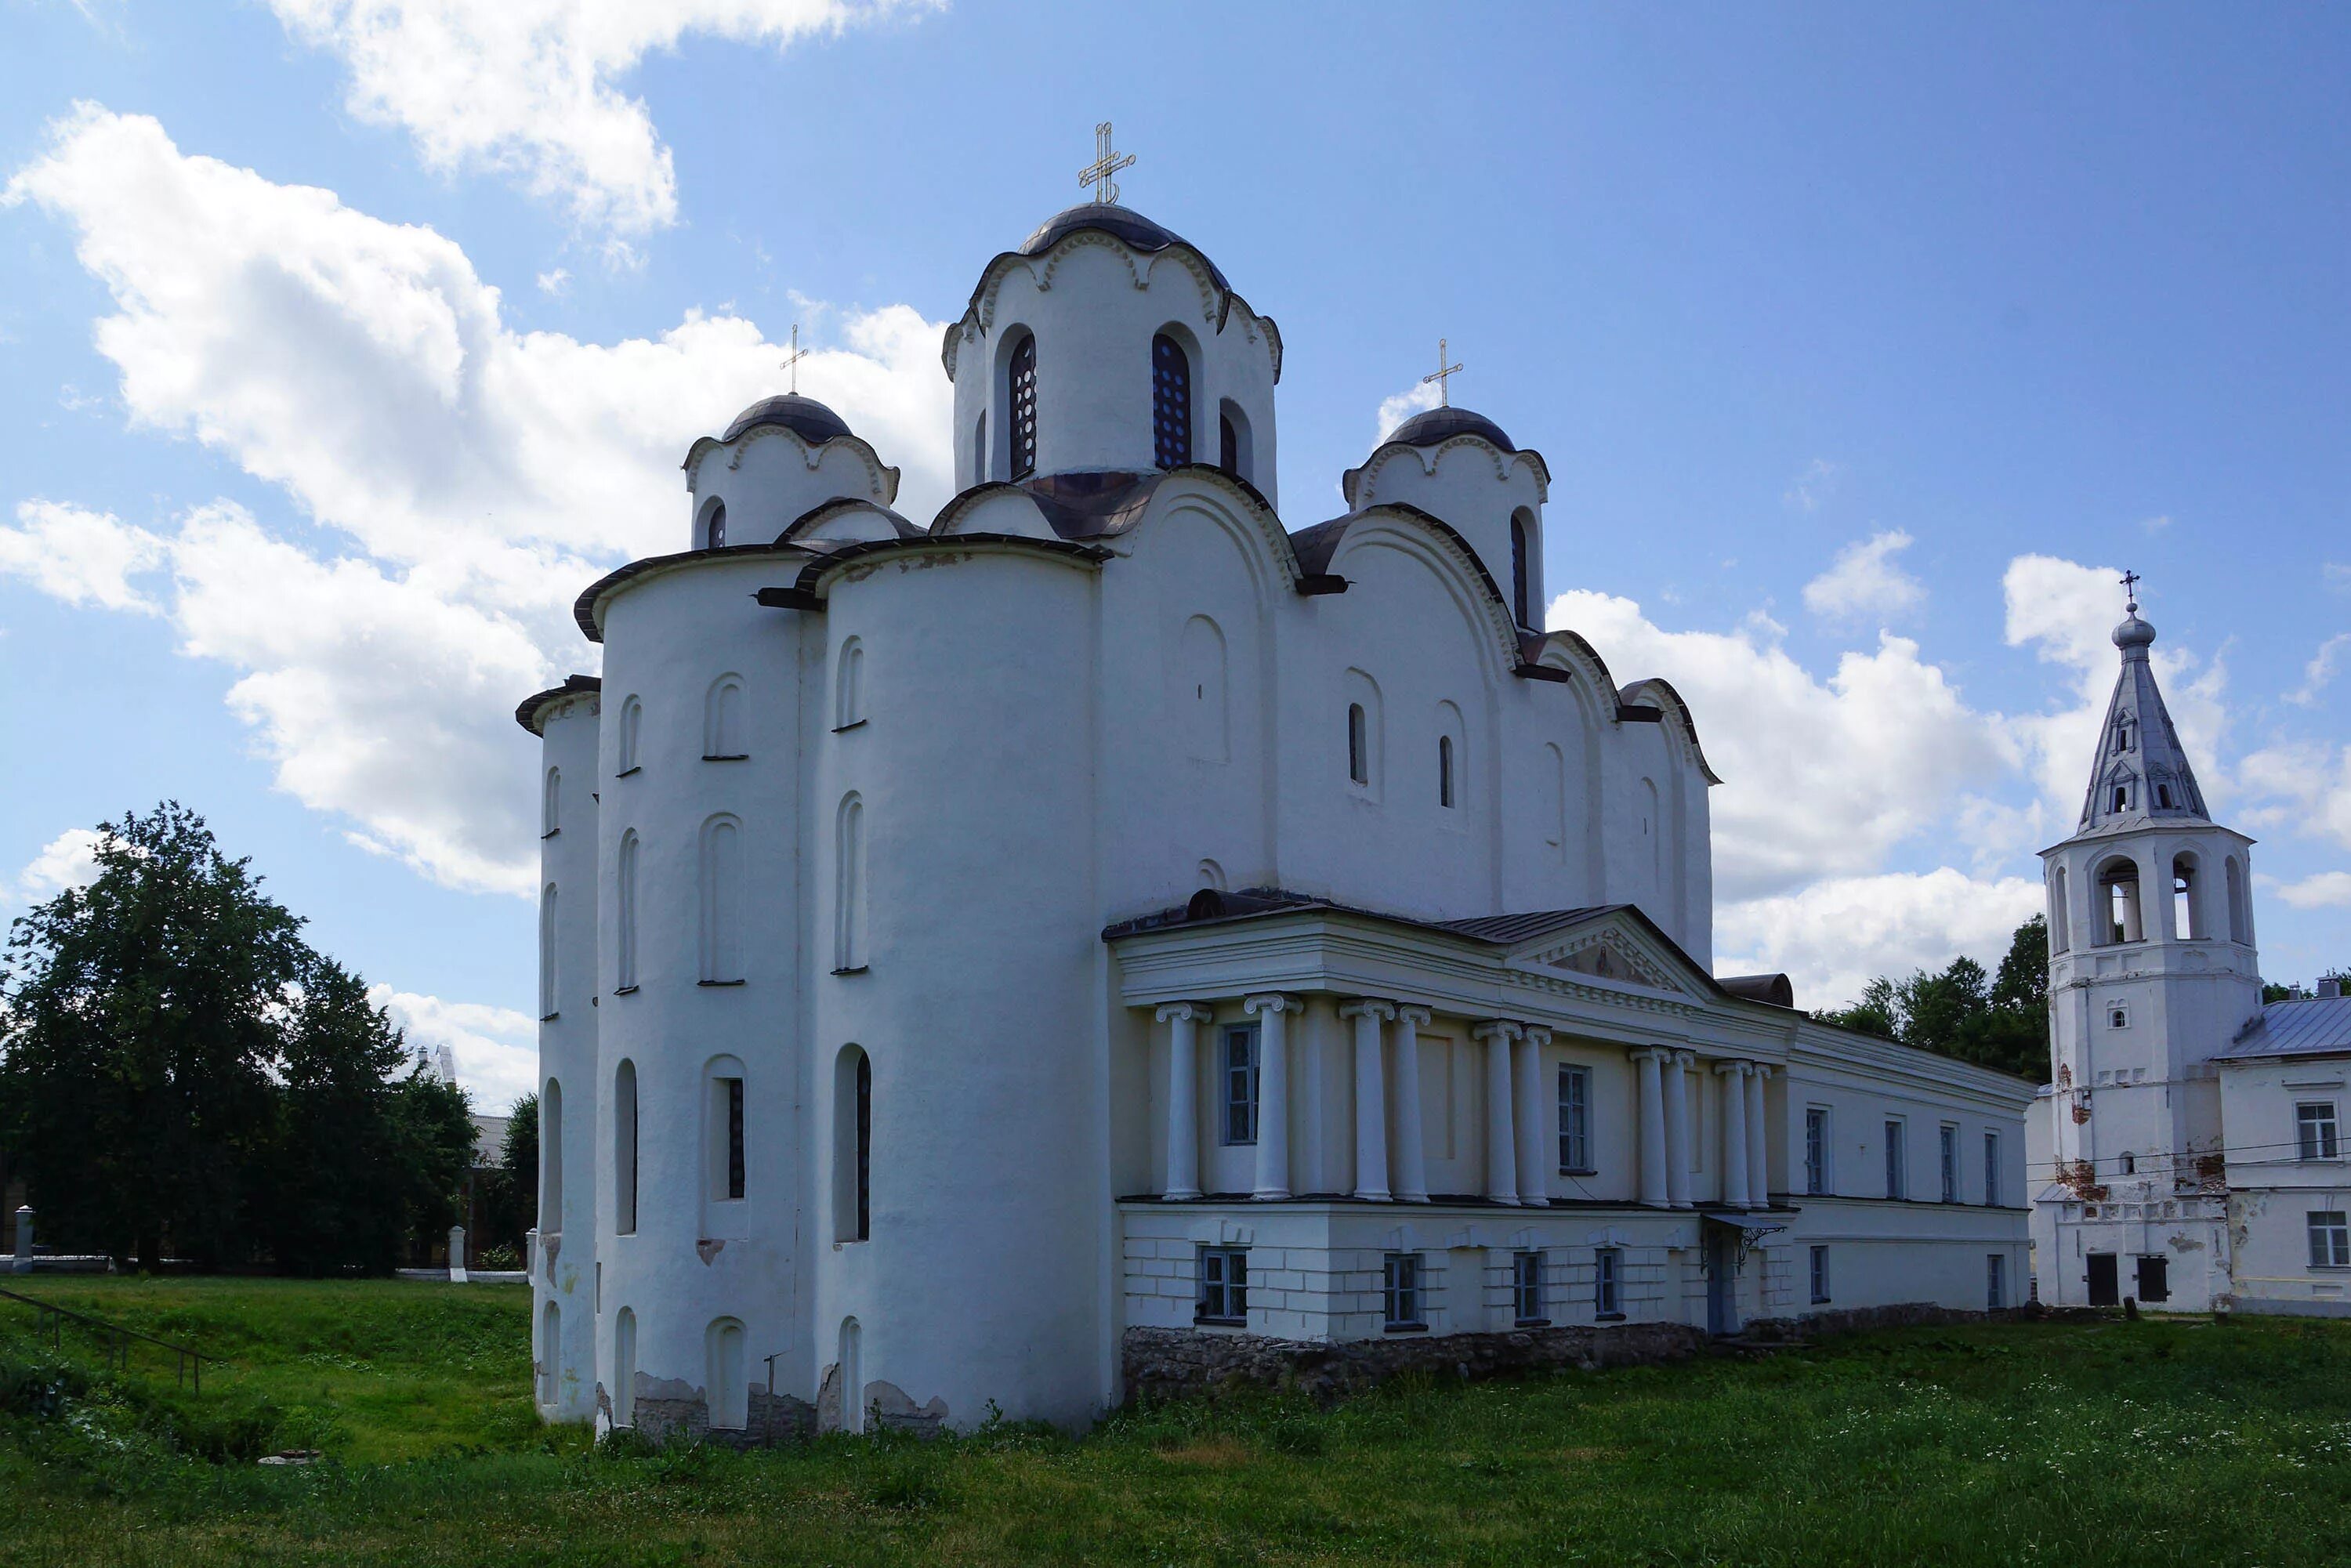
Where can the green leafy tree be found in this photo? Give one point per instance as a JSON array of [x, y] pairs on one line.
[[513, 1205], [177, 1066], [1999, 1021]]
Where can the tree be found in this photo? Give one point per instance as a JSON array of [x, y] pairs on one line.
[[513, 1205], [1998, 1022], [177, 1065]]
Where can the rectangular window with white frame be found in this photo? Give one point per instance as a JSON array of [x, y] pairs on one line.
[[1607, 1301], [1820, 1274], [1527, 1289], [1995, 1281], [2330, 1239], [1948, 1147], [1816, 1150], [1992, 1170], [1237, 1064], [2315, 1130], [1402, 1289], [1575, 1121], [1898, 1174], [1223, 1293]]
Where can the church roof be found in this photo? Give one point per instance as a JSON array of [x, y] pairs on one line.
[[1120, 223], [2139, 759], [804, 416], [1438, 426], [2315, 1026], [526, 711]]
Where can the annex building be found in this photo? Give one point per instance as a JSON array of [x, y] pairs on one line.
[[1109, 907], [2188, 1150]]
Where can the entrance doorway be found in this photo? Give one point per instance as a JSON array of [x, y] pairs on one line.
[[2153, 1280], [2105, 1285]]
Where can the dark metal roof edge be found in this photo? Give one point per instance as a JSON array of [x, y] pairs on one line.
[[1174, 242], [584, 608], [904, 527], [526, 710], [816, 570], [1680, 710]]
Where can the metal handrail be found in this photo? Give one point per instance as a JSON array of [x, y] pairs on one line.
[[190, 1362]]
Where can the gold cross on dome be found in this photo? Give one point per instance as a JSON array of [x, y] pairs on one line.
[[1439, 375], [792, 361], [1106, 164]]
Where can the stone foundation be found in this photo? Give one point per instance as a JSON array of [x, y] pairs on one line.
[[666, 1411], [1165, 1363]]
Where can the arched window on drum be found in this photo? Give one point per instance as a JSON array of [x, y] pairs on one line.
[[1171, 403]]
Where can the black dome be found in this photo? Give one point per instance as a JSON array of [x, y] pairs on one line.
[[1439, 425], [804, 416], [1131, 226]]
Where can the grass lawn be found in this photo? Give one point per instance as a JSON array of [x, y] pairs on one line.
[[2127, 1443]]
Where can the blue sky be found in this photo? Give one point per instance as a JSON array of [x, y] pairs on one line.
[[341, 341]]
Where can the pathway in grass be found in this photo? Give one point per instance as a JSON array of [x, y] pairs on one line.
[[2142, 1443]]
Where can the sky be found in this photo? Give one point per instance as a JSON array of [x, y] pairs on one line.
[[343, 341]]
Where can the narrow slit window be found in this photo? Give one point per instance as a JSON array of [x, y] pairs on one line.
[[1445, 772], [1820, 1274], [624, 1149], [1574, 1119], [1022, 428], [1240, 1072], [1519, 605], [1171, 403], [1359, 762], [1228, 445]]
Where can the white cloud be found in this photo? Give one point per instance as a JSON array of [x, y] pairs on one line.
[[2320, 670], [2155, 525], [1821, 778], [81, 557], [496, 1049], [1816, 484], [2302, 784], [485, 476], [528, 88], [556, 282], [1832, 937], [69, 860], [1394, 411], [1864, 584], [2337, 574], [2327, 889]]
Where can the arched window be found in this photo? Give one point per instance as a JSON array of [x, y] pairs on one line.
[[1653, 828], [1171, 403], [550, 1352], [1519, 571], [550, 805], [551, 1160], [633, 721], [1359, 748], [1365, 757], [547, 992], [722, 720], [1022, 425], [1450, 755], [624, 916], [1200, 665], [849, 887], [2061, 918], [1228, 444], [714, 526], [1445, 772], [2121, 918], [849, 685], [853, 1145], [624, 1368], [979, 450], [727, 1375], [1553, 823], [2237, 924], [1236, 453], [2125, 740], [624, 1149], [726, 1172], [722, 902], [2187, 915]]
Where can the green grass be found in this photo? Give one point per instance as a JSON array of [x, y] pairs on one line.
[[2146, 1443]]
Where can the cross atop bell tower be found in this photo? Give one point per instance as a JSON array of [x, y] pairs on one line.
[[1106, 164]]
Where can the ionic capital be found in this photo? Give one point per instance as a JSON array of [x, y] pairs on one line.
[[1497, 1028], [1536, 1034], [1271, 1002], [1371, 1007], [1418, 1017], [1191, 1012], [1656, 1054], [1734, 1069]]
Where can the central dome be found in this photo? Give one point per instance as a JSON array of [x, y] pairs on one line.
[[1122, 223], [1439, 425], [803, 416]]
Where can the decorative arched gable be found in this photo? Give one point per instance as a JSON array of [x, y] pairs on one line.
[[1216, 298], [1656, 692], [1357, 481], [881, 476]]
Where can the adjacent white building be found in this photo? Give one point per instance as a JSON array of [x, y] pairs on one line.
[[1105, 908], [2186, 1151]]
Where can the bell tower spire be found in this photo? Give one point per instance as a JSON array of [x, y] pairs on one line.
[[2140, 774]]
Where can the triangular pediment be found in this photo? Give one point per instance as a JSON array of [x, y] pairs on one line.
[[1615, 948]]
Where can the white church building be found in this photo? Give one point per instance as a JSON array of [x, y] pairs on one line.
[[2187, 1152], [1105, 910]]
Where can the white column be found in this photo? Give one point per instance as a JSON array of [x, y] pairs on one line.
[[1534, 1159], [1676, 1068], [1501, 1139], [1734, 1133], [1759, 1150], [1272, 1093], [23, 1264], [1371, 1098], [1652, 1110], [1407, 1154], [1183, 1020]]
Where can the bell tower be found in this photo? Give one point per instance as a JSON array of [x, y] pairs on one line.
[[2152, 971]]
